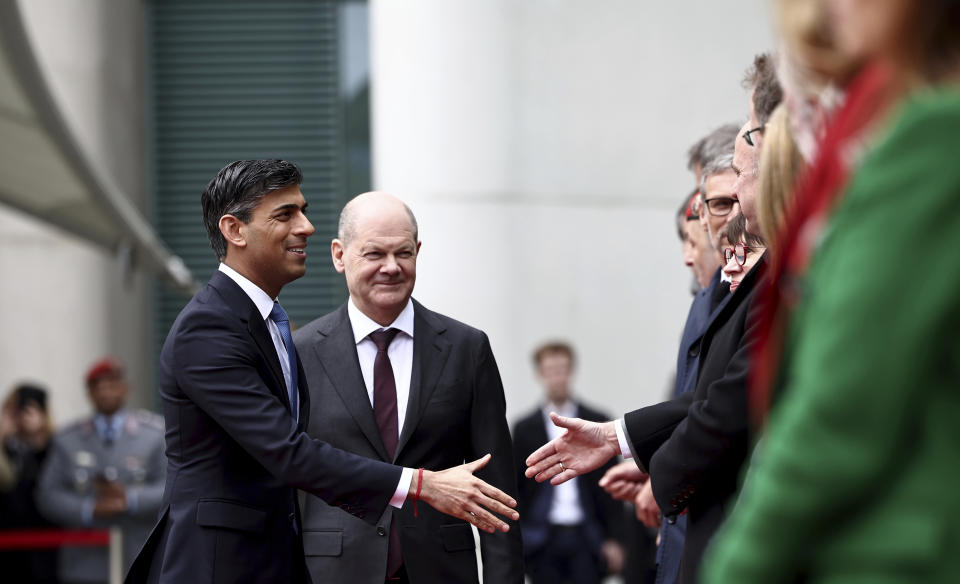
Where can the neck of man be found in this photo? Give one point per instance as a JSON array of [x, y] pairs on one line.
[[243, 270]]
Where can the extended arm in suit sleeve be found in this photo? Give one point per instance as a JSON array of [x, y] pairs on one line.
[[502, 553], [711, 438], [648, 428], [218, 366]]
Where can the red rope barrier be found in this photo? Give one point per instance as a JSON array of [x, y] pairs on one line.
[[33, 539]]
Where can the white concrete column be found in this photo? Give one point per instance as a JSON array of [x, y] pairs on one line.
[[542, 145]]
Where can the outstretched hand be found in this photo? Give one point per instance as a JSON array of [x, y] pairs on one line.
[[456, 492], [584, 447]]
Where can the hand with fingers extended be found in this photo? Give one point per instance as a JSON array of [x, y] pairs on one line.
[[624, 481], [455, 491], [584, 447]]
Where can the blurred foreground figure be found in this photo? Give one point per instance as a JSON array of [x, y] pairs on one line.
[[571, 532], [102, 471], [25, 433], [856, 478]]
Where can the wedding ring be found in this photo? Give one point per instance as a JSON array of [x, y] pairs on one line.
[[561, 466]]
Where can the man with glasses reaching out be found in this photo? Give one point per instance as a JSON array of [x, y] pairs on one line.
[[694, 445]]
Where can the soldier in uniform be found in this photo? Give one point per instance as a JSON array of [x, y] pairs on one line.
[[102, 471]]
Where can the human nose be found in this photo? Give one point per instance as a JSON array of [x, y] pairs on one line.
[[731, 267], [687, 254], [390, 264], [304, 227]]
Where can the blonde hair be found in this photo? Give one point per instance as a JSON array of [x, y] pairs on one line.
[[780, 164], [805, 29]]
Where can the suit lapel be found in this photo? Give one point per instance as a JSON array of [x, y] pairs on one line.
[[261, 336], [336, 351], [303, 391], [430, 352], [243, 307]]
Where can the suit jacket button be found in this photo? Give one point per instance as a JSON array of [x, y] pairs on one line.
[[291, 517], [695, 350], [381, 531]]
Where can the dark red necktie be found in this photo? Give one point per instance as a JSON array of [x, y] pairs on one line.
[[385, 410]]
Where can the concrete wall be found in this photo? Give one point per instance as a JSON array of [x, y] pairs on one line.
[[63, 302], [542, 145]]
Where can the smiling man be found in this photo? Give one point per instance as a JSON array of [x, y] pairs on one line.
[[236, 402], [395, 382]]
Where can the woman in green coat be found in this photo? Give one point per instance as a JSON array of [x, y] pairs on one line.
[[857, 475]]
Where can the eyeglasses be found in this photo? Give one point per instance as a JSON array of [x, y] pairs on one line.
[[737, 252], [720, 206], [746, 135]]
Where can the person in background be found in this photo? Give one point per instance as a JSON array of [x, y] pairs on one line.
[[719, 203], [572, 532], [693, 445], [710, 147], [742, 250], [626, 481], [765, 95], [25, 432], [104, 470], [855, 476]]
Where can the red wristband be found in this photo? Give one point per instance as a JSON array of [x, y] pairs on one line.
[[416, 496]]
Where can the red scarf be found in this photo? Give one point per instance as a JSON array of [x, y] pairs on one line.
[[815, 195]]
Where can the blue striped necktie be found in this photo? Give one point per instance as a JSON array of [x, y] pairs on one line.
[[279, 316]]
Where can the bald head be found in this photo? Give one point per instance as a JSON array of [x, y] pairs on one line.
[[376, 249], [370, 206]]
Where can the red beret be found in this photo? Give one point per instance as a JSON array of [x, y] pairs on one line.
[[693, 208], [102, 368]]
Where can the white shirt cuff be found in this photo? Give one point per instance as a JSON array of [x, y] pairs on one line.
[[403, 488], [622, 439]]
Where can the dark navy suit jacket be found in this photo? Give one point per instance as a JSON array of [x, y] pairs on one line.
[[705, 306], [694, 445], [236, 455]]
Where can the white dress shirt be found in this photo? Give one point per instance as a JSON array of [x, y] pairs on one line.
[[264, 305], [400, 352], [565, 507]]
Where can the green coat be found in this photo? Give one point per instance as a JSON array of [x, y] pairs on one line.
[[858, 476]]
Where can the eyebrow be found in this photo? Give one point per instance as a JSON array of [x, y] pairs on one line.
[[287, 206], [736, 169]]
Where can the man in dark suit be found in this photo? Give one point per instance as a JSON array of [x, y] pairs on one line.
[[393, 381], [693, 446], [571, 532], [235, 403]]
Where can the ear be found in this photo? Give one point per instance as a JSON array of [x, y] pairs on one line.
[[418, 247], [232, 230], [336, 252]]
